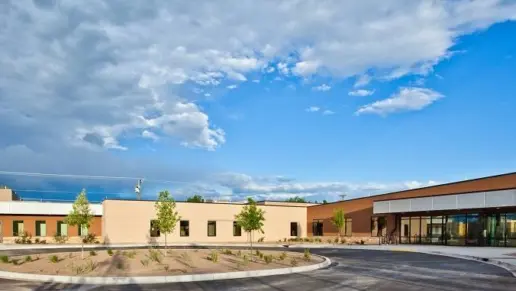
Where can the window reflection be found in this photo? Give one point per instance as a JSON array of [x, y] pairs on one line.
[[437, 230], [510, 229]]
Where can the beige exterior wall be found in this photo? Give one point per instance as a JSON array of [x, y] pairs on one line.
[[129, 222], [6, 195]]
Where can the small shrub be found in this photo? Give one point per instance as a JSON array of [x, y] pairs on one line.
[[53, 258], [307, 255], [155, 256], [228, 252], [93, 253], [284, 240], [43, 241], [261, 255], [306, 239], [329, 241], [166, 268], [60, 239], [120, 265], [246, 260], [96, 242], [89, 238], [268, 259], [343, 241], [4, 259], [144, 262], [317, 240], [15, 262], [78, 269], [110, 252], [214, 257], [258, 253], [24, 238], [36, 240], [293, 262], [91, 266], [261, 239], [130, 254], [185, 256], [28, 259], [239, 253], [283, 256], [70, 255], [362, 241]]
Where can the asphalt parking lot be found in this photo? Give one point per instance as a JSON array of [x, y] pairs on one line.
[[351, 270]]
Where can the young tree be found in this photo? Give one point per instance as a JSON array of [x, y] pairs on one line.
[[339, 220], [195, 199], [81, 215], [251, 219], [167, 216]]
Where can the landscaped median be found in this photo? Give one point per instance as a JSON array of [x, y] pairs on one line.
[[156, 265]]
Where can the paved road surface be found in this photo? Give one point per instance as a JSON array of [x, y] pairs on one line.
[[352, 270]]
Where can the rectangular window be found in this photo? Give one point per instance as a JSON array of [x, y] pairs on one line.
[[62, 228], [184, 228], [317, 227], [348, 231], [154, 229], [237, 229], [17, 227], [212, 228], [293, 229], [83, 230], [41, 228]]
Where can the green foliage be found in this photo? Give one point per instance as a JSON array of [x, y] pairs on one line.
[[4, 259], [166, 268], [91, 265], [130, 254], [110, 252], [89, 238], [293, 262], [246, 260], [362, 241], [78, 269], [155, 256], [307, 256], [195, 199], [251, 219], [339, 220], [261, 239], [53, 259], [239, 253], [324, 201], [228, 252], [268, 259], [28, 259], [336, 240], [60, 239], [185, 256], [296, 199], [329, 240], [144, 262], [283, 256], [81, 214], [120, 265], [93, 253], [167, 217], [24, 238], [214, 256]]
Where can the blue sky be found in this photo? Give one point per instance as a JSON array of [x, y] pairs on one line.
[[214, 100]]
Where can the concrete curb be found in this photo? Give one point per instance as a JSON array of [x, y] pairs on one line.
[[161, 279], [115, 246]]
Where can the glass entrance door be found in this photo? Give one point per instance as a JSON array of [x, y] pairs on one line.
[[495, 230]]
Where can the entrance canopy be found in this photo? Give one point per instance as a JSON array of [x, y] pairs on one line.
[[501, 198]]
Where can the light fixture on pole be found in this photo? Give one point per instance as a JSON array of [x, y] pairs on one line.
[[138, 189], [342, 196]]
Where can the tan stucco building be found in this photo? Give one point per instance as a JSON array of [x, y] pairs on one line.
[[129, 221]]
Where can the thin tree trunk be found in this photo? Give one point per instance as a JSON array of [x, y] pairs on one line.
[[165, 241], [82, 248], [252, 258]]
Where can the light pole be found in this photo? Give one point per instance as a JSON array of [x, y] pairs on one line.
[[342, 196]]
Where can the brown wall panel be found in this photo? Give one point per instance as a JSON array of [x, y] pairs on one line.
[[29, 224], [361, 209]]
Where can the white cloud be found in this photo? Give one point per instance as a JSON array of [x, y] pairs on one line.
[[312, 109], [305, 68], [361, 92], [150, 135], [256, 81], [242, 185], [328, 112], [231, 87], [283, 68], [322, 88], [407, 99], [362, 81]]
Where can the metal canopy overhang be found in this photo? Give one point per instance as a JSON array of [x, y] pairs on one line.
[[501, 198]]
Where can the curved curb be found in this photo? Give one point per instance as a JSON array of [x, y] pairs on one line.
[[161, 279]]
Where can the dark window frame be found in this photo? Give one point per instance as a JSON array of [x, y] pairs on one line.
[[292, 230], [37, 230], [58, 231], [186, 231], [214, 222], [154, 230], [237, 229], [350, 232], [17, 232], [316, 230], [80, 229]]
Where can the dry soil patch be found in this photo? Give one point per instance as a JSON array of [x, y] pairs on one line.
[[152, 262]]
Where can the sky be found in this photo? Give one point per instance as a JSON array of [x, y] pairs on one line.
[[265, 99]]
